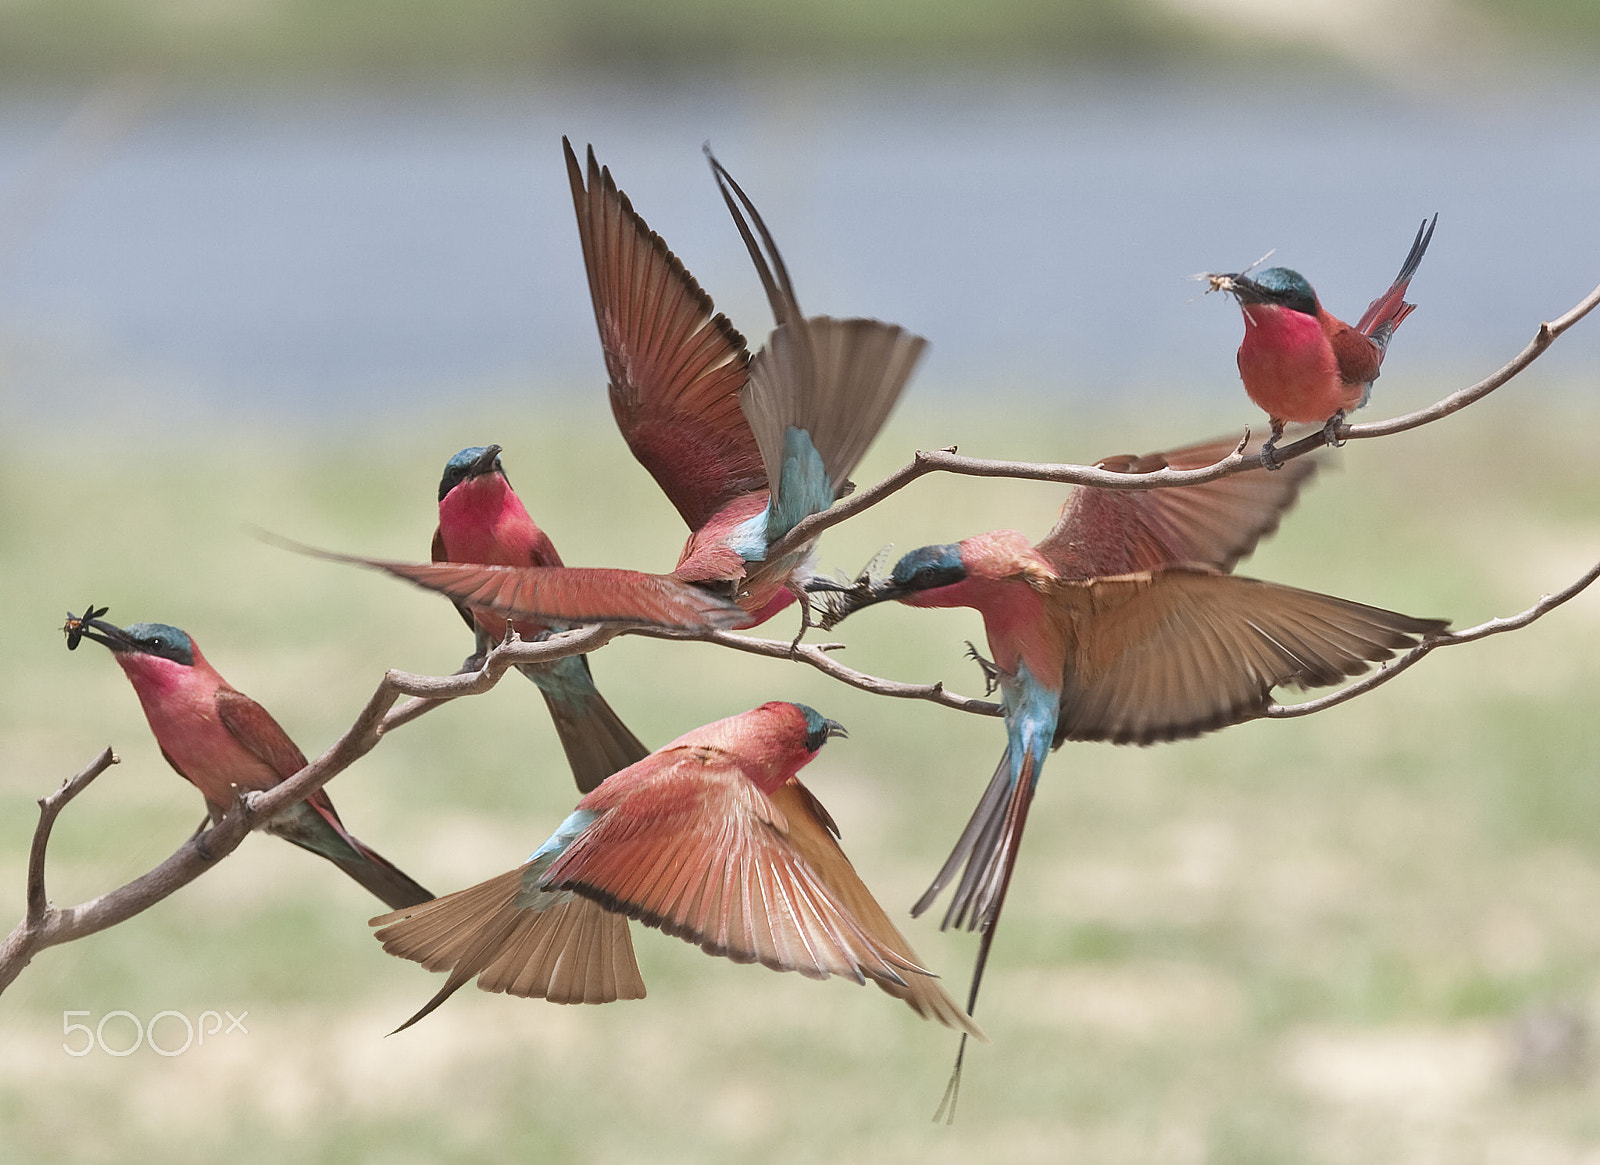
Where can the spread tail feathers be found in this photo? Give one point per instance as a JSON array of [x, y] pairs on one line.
[[834, 380], [975, 849], [573, 952]]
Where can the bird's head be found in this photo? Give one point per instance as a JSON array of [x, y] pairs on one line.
[[915, 577], [819, 729], [771, 743], [469, 464], [1277, 286], [158, 640]]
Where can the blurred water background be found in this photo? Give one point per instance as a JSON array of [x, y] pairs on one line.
[[322, 255], [270, 262]]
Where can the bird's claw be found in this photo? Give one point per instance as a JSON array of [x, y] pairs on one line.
[[1269, 449], [991, 673], [1330, 431], [805, 623]]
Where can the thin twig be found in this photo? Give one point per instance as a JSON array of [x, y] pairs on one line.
[[50, 808], [815, 654]]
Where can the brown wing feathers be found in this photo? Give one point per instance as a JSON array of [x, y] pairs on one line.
[[721, 877], [676, 364], [1107, 532], [1171, 655]]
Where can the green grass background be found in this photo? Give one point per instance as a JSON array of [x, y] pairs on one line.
[[1291, 941], [302, 39]]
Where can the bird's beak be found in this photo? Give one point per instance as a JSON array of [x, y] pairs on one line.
[[88, 626], [1243, 288], [834, 729], [838, 601], [485, 463]]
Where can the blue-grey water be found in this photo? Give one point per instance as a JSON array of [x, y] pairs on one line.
[[327, 254]]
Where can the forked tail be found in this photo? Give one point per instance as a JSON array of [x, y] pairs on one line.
[[989, 846], [1384, 314]]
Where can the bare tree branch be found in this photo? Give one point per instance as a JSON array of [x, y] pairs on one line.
[[49, 809], [815, 654], [20, 944], [949, 461]]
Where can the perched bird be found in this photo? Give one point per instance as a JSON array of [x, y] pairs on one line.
[[224, 743], [1122, 625], [712, 839], [1303, 365], [743, 448], [482, 520]]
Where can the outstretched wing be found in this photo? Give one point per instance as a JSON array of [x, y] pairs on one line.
[[561, 594], [1176, 653], [813, 840], [676, 364], [701, 853], [1106, 532]]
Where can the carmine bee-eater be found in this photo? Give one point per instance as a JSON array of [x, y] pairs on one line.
[[224, 743], [1122, 625], [482, 520], [1303, 365], [712, 839], [743, 448]]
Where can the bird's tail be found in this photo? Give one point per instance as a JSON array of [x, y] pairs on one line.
[[989, 847], [595, 739], [977, 850], [820, 389], [310, 828], [573, 952], [1383, 315]]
